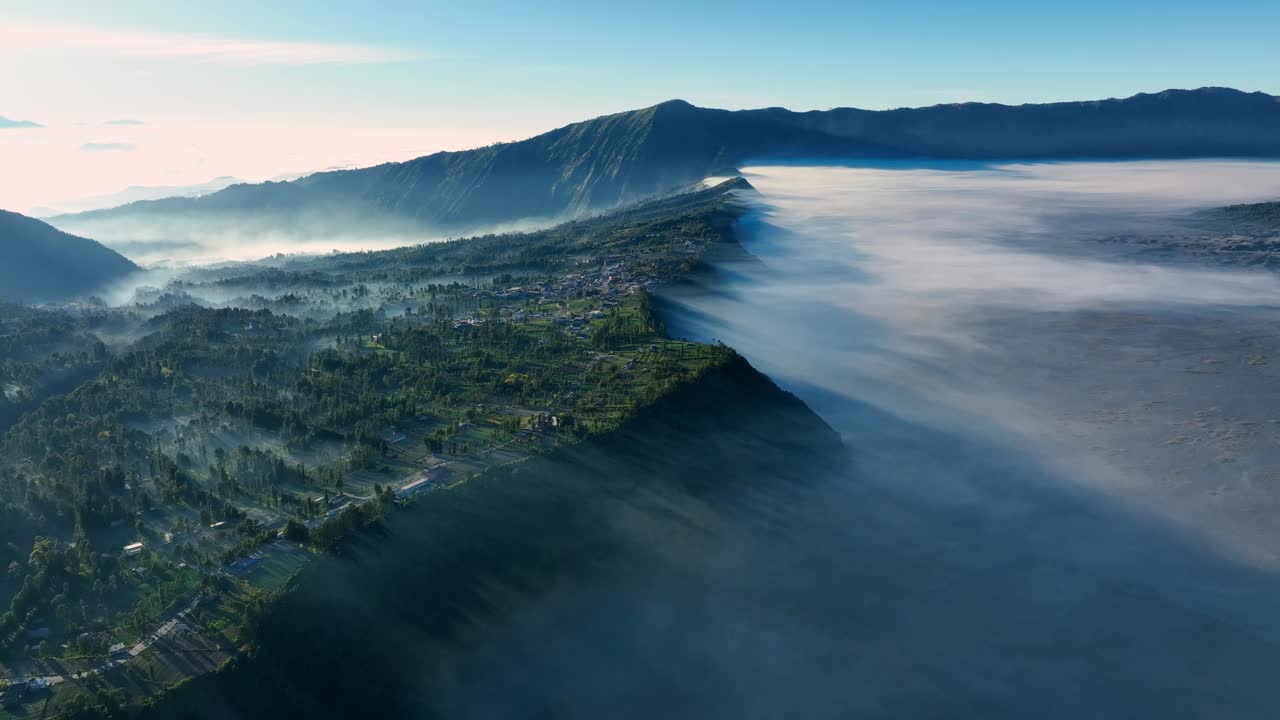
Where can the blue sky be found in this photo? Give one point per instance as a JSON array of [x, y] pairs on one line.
[[485, 70], [500, 56]]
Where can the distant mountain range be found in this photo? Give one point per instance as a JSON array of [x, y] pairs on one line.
[[7, 123], [136, 193], [600, 163], [41, 263]]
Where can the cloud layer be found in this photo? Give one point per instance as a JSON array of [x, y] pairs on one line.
[[994, 302]]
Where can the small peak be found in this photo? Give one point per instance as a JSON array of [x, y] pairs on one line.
[[1215, 90], [1211, 90], [673, 105], [737, 183]]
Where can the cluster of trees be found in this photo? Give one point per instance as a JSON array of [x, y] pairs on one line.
[[43, 354], [626, 326], [59, 585], [251, 535], [328, 533]]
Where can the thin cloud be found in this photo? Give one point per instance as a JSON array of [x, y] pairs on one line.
[[123, 122], [7, 123], [17, 37], [108, 147]]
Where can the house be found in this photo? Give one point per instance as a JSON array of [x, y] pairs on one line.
[[133, 549], [93, 639], [408, 490]]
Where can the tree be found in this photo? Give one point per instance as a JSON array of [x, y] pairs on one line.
[[296, 532]]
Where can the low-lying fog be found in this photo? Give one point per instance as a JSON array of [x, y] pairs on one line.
[[1067, 497], [167, 242], [178, 244]]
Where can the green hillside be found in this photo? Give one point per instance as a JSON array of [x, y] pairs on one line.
[[39, 262]]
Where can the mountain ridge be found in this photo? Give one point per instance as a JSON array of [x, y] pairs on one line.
[[606, 161]]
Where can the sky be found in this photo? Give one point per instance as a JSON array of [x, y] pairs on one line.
[[141, 92]]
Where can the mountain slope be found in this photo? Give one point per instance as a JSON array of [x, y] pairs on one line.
[[40, 262], [599, 163]]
